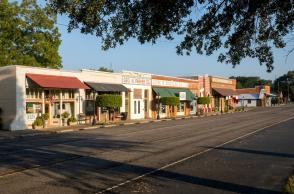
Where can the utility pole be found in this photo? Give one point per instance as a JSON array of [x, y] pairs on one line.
[[288, 81]]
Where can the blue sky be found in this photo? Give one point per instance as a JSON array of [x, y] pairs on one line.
[[84, 51]]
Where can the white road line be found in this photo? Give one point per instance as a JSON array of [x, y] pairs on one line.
[[190, 157]]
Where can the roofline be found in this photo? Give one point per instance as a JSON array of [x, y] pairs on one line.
[[180, 78]]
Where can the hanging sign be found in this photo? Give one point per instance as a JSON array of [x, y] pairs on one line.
[[182, 95]]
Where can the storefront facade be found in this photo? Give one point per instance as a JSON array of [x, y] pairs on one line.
[[138, 99], [222, 92], [184, 89]]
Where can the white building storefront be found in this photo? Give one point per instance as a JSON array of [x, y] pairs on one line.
[[138, 100]]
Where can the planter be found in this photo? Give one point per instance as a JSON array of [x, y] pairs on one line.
[[71, 123]]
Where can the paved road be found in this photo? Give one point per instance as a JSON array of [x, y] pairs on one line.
[[91, 161]]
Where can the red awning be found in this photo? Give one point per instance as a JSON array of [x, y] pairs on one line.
[[53, 81]]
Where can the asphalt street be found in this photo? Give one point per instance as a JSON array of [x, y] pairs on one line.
[[94, 160]]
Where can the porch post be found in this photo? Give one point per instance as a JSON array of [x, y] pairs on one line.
[[61, 110], [43, 102]]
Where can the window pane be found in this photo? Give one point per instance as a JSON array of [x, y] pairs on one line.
[[139, 107], [135, 107]]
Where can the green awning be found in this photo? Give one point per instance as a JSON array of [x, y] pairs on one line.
[[169, 92]]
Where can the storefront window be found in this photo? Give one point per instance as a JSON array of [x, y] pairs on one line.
[[181, 107], [135, 107], [139, 107], [163, 108]]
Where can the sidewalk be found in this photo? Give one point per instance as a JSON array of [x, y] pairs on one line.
[[56, 130]]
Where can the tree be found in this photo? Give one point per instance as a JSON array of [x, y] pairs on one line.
[[170, 101], [28, 35], [281, 85], [250, 82], [109, 101], [105, 69], [244, 28], [203, 100]]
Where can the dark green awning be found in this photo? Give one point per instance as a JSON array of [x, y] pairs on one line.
[[169, 92], [102, 87]]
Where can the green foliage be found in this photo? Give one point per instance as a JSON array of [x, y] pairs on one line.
[[242, 28], [109, 101], [65, 115], [39, 122], [170, 101], [72, 120], [28, 35], [203, 100], [281, 85], [105, 69], [45, 116], [250, 82], [289, 188]]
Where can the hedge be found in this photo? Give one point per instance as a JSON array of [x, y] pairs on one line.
[[170, 101], [109, 101], [203, 100]]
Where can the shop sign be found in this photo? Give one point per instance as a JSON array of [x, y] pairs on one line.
[[169, 83], [182, 95], [31, 117], [136, 80]]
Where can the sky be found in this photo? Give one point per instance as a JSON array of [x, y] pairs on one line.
[[80, 51]]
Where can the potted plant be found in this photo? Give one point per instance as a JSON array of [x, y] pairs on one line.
[[65, 116], [38, 123], [45, 118], [72, 121]]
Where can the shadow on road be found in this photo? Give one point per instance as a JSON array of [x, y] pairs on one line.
[[60, 168], [258, 152]]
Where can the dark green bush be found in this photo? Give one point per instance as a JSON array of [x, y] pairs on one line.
[[203, 100], [65, 115], [170, 101], [72, 120], [45, 116], [109, 101], [39, 122]]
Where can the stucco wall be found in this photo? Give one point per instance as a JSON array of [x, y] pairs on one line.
[[246, 104], [8, 95]]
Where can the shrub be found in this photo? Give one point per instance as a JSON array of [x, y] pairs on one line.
[[109, 101], [170, 101], [203, 100], [65, 115], [72, 120], [289, 188], [45, 116], [39, 122]]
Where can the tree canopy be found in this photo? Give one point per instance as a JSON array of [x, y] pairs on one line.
[[105, 69], [281, 85], [250, 82], [28, 35], [243, 28]]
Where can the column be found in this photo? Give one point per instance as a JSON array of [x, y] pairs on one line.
[[43, 102], [61, 110], [123, 96]]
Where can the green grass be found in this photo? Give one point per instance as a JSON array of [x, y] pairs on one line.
[[289, 187]]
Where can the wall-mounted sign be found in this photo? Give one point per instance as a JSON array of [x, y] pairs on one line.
[[136, 80], [182, 95], [169, 83], [222, 80]]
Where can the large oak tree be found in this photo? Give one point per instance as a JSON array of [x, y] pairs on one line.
[[28, 35], [244, 28]]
